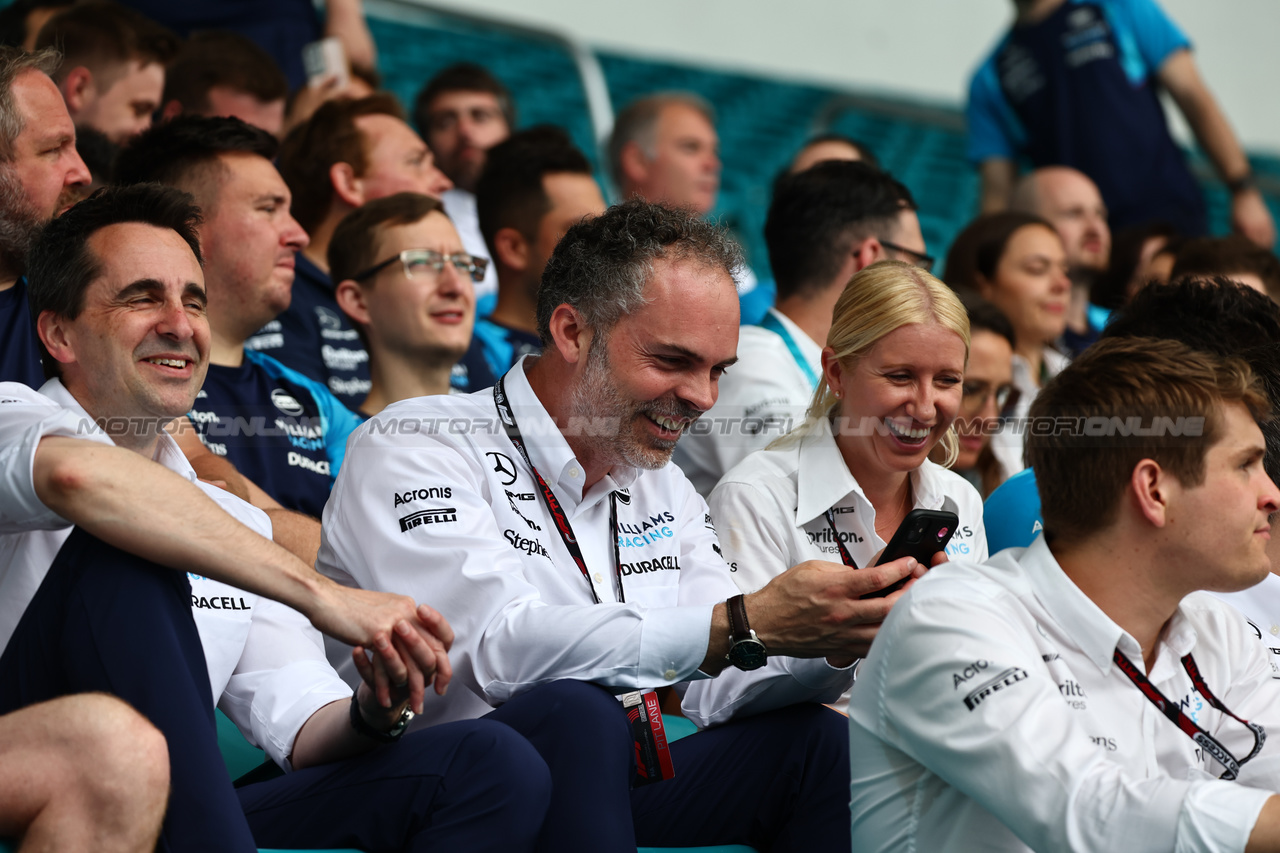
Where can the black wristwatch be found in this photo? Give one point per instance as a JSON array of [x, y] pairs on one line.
[[746, 651], [1242, 183], [394, 734]]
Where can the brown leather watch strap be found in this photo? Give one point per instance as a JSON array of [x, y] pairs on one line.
[[739, 627]]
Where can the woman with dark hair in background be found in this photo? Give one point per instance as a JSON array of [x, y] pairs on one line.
[[1017, 262]]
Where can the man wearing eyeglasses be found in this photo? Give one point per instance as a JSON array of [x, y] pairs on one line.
[[824, 225], [409, 287], [1082, 693], [283, 431]]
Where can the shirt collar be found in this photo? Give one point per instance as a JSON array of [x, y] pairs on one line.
[[308, 271], [547, 447], [167, 452], [1067, 605], [825, 481]]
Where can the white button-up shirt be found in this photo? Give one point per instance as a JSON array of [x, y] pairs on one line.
[[990, 715], [762, 397], [770, 510], [435, 502], [266, 662]]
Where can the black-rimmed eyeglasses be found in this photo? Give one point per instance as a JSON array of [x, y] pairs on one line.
[[925, 262], [419, 263]]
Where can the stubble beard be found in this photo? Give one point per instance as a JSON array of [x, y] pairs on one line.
[[606, 420], [20, 223]]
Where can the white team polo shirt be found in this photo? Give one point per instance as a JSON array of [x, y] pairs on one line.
[[266, 664], [762, 397], [771, 509], [990, 715], [435, 502]]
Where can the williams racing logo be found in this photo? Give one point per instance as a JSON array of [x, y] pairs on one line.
[[1006, 679], [655, 529], [444, 515]]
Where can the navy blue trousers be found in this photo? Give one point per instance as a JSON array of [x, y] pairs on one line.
[[778, 781], [106, 621]]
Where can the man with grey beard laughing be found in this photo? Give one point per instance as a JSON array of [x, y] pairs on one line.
[[576, 564]]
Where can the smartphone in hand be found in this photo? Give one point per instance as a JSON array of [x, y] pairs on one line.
[[922, 534]]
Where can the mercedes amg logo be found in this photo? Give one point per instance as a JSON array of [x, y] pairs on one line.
[[503, 465]]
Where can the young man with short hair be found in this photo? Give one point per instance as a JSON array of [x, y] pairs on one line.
[[221, 73], [1082, 693], [535, 185], [462, 112], [113, 65], [407, 285], [282, 430]]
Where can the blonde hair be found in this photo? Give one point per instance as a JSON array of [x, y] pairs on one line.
[[878, 300]]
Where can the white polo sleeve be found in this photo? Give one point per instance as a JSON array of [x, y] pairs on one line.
[[706, 580], [281, 679], [26, 417]]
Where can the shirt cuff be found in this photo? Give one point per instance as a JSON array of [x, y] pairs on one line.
[[283, 706], [1218, 816], [673, 643], [817, 674]]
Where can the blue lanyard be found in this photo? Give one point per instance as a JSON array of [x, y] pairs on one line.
[[774, 325]]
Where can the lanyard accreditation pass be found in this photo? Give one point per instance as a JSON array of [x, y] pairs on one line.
[[1174, 712], [552, 503], [774, 325], [652, 754]]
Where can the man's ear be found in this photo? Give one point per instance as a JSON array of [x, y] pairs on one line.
[[1150, 489], [350, 298], [346, 185], [173, 109], [571, 336], [633, 163], [511, 249], [78, 89], [866, 252], [56, 336]]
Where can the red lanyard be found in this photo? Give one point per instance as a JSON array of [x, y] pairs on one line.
[[1174, 712], [552, 503], [845, 556]]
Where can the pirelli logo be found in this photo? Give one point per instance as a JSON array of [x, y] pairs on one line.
[[428, 516], [1006, 679]]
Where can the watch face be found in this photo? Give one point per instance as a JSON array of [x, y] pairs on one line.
[[747, 654]]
